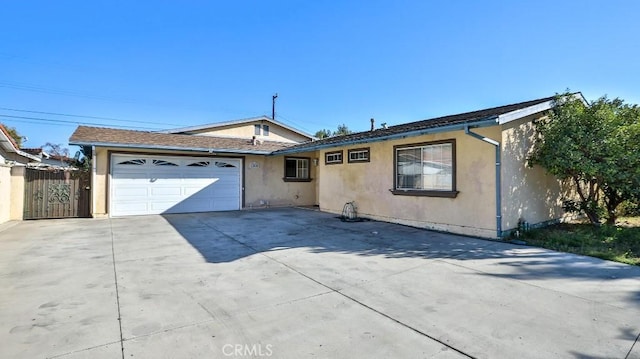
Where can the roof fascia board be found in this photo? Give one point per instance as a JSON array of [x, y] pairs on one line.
[[11, 148], [236, 122], [173, 148], [214, 125], [28, 155], [527, 111], [492, 121]]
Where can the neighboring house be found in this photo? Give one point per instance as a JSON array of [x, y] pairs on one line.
[[49, 161], [13, 161], [463, 173]]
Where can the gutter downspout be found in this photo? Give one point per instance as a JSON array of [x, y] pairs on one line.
[[94, 169], [496, 144]]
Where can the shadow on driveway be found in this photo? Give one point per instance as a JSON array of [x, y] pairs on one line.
[[228, 236]]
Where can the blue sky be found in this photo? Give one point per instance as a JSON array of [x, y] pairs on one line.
[[164, 64]]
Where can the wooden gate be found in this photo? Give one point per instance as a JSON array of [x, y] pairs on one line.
[[56, 194]]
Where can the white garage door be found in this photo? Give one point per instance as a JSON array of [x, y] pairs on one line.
[[167, 184]]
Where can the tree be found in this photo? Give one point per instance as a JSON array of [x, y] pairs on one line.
[[595, 148], [323, 134], [56, 150], [341, 131], [13, 133]]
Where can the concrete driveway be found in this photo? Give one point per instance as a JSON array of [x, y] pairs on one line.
[[296, 283]]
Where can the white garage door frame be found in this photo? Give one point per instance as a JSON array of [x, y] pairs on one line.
[[157, 183]]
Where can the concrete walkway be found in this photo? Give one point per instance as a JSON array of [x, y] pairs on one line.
[[295, 283]]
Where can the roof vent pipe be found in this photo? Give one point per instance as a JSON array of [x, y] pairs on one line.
[[373, 126], [254, 141]]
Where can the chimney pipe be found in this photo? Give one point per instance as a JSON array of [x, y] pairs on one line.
[[373, 126]]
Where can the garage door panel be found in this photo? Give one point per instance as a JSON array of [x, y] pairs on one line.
[[131, 191], [222, 205], [134, 207], [165, 184], [138, 175], [160, 191]]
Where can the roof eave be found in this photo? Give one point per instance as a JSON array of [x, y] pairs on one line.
[[487, 122], [7, 144], [531, 110], [237, 122], [172, 148]]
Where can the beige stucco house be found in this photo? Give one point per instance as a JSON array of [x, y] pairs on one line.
[[463, 173], [13, 162]]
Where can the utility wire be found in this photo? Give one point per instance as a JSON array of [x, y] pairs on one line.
[[68, 122], [92, 117], [26, 87]]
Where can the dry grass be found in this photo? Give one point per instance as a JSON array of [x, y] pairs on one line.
[[620, 243]]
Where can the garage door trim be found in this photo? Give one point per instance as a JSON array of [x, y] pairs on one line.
[[109, 186]]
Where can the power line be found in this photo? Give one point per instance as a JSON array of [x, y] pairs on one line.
[[57, 91], [27, 87], [83, 116], [17, 118]]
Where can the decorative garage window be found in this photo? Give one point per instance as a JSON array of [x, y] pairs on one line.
[[333, 158], [296, 169], [425, 169], [223, 164], [199, 164], [163, 163], [358, 155], [134, 162]]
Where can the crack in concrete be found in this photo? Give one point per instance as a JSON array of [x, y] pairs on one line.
[[166, 330], [82, 350]]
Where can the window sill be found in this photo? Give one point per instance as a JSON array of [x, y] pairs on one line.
[[445, 194], [297, 179]]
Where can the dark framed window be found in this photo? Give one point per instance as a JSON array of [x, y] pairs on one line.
[[333, 158], [297, 169], [265, 130], [425, 169], [256, 130], [358, 155]]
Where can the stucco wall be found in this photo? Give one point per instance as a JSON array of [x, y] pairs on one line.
[[472, 212], [262, 177], [528, 193], [5, 192], [17, 192], [264, 183], [276, 133]]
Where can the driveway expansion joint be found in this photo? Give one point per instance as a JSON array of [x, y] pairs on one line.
[[115, 277], [632, 345]]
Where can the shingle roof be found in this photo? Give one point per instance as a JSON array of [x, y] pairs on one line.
[[99, 136], [469, 118]]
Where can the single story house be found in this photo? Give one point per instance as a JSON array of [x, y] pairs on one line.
[[13, 162], [463, 173]]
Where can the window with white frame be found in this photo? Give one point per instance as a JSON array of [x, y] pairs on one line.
[[426, 169], [358, 155], [265, 130], [333, 158], [296, 169], [257, 128]]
